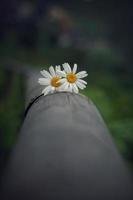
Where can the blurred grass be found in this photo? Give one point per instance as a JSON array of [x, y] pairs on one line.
[[115, 104], [11, 109]]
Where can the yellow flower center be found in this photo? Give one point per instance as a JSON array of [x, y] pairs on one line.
[[71, 78], [54, 81]]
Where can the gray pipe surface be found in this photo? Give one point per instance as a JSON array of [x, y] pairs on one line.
[[65, 152]]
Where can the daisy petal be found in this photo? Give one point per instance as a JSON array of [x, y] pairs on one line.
[[61, 73], [66, 88], [52, 71], [46, 74], [63, 80], [70, 87], [75, 68], [58, 68], [82, 81], [46, 90], [53, 89], [75, 88], [67, 68], [82, 74], [80, 85], [63, 85], [43, 81]]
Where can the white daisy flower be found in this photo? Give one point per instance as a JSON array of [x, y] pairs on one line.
[[51, 80], [71, 80]]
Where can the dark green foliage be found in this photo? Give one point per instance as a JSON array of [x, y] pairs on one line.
[[11, 109]]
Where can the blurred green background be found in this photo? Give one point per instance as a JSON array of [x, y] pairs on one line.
[[97, 35]]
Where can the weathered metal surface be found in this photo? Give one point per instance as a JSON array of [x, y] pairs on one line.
[[65, 152]]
